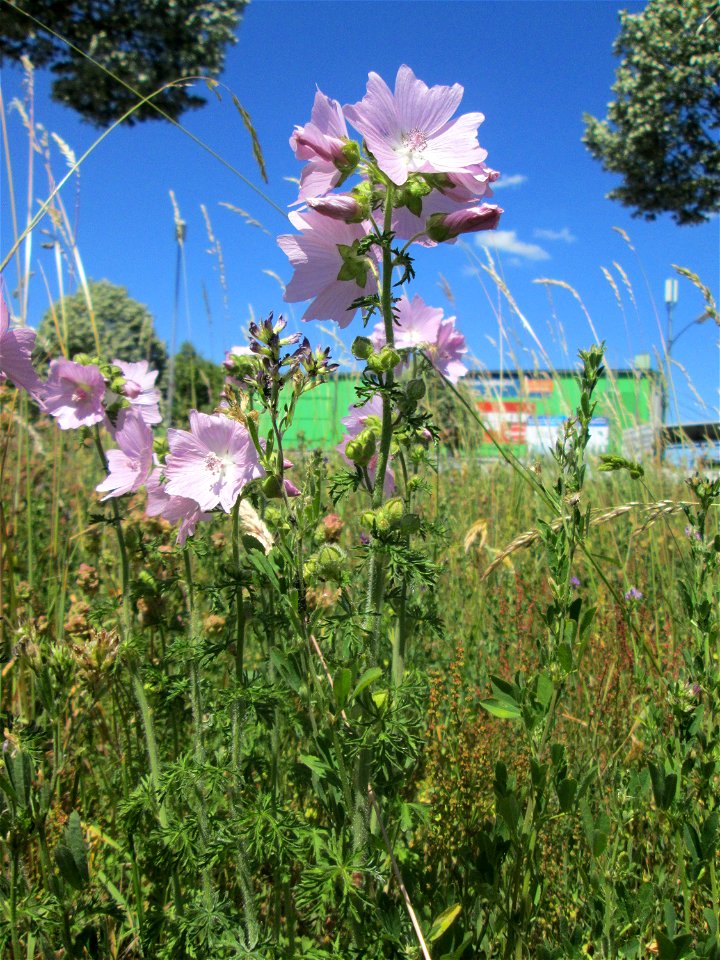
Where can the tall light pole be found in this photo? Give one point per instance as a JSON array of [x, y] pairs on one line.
[[671, 299]]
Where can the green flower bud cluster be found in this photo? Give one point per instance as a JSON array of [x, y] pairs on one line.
[[161, 447], [391, 517], [329, 563], [387, 359], [361, 449], [382, 361]]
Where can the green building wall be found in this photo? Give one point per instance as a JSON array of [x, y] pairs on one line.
[[518, 407]]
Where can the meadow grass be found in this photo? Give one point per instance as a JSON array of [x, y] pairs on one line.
[[507, 747]]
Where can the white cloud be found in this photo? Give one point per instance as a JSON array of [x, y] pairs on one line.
[[513, 180], [565, 235], [507, 242]]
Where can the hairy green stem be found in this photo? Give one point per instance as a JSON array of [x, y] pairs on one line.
[[376, 575], [239, 633]]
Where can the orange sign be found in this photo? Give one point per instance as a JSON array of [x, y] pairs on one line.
[[543, 385]]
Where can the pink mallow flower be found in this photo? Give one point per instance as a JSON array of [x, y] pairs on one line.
[[421, 327], [410, 131], [328, 269], [73, 394], [324, 143], [140, 389], [131, 464], [16, 347], [446, 352], [173, 509], [212, 462]]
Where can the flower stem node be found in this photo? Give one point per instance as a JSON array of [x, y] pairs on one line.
[[362, 348], [411, 195], [354, 263], [361, 450]]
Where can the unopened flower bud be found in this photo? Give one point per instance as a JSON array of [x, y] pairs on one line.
[[415, 389], [272, 487], [411, 195], [382, 522], [362, 348], [331, 560], [350, 152], [117, 385], [446, 226], [367, 518], [410, 523], [361, 449], [343, 207], [83, 358], [394, 510]]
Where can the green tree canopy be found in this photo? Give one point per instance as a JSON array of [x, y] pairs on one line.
[[125, 327], [661, 131], [145, 43], [198, 384]]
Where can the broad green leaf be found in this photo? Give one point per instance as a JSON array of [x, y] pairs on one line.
[[341, 686], [566, 792], [504, 709], [443, 922], [318, 767], [76, 845], [370, 676]]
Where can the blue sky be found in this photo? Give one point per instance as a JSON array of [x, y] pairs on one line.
[[532, 67]]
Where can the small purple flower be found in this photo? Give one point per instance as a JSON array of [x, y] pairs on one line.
[[692, 534], [574, 582], [74, 393], [364, 539], [633, 594], [131, 464], [140, 389]]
